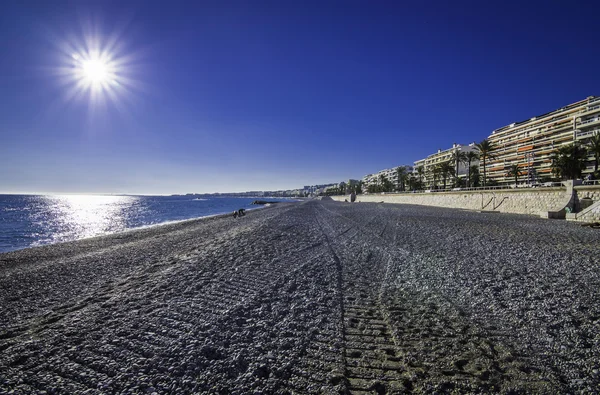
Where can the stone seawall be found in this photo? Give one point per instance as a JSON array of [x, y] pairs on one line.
[[587, 208], [540, 201], [586, 195]]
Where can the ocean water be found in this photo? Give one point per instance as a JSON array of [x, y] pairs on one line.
[[34, 220]]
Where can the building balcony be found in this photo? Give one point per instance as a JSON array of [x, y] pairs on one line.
[[525, 126], [589, 122], [566, 125], [525, 148], [580, 135], [591, 110], [552, 128], [594, 100]]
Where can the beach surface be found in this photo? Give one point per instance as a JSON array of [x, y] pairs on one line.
[[312, 297]]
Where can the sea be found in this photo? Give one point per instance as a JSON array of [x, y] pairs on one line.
[[35, 220]]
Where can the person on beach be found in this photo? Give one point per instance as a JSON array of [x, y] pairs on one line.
[[588, 180], [241, 212], [353, 197]]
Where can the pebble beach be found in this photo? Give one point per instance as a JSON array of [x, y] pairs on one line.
[[315, 297]]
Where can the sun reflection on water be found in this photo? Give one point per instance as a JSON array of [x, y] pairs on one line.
[[80, 216]]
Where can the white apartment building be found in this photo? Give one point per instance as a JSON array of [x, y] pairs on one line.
[[428, 164], [390, 174], [530, 143]]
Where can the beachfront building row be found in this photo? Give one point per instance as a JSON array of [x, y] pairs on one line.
[[529, 144], [342, 187], [316, 190], [390, 174], [427, 174]]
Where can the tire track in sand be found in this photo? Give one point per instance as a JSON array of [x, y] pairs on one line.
[[438, 347], [371, 362]]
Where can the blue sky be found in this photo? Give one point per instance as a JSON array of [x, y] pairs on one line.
[[234, 96]]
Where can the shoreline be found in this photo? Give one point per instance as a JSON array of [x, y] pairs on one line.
[[135, 229]]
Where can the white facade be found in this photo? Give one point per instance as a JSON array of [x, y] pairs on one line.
[[428, 164], [390, 174]]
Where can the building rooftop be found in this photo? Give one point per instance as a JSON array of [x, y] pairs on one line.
[[545, 115]]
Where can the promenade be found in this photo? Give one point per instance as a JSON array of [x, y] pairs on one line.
[[312, 297]]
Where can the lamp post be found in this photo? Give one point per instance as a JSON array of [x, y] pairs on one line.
[[529, 156]]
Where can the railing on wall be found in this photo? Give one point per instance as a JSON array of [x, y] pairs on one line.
[[590, 182]]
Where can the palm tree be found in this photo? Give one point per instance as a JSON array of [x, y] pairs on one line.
[[446, 170], [458, 157], [434, 175], [420, 173], [471, 156], [485, 148], [386, 185], [594, 145], [401, 173], [568, 161], [474, 175], [514, 171], [412, 182]]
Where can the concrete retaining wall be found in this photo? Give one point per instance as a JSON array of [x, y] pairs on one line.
[[582, 200], [590, 214], [539, 201], [587, 206], [586, 194]]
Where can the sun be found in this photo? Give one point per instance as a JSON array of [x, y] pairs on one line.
[[100, 69], [95, 71]]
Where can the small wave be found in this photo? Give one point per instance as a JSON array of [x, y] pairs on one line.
[[199, 200]]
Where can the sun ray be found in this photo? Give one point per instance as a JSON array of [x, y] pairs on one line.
[[99, 69]]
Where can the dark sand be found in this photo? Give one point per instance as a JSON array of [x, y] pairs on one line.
[[314, 297]]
